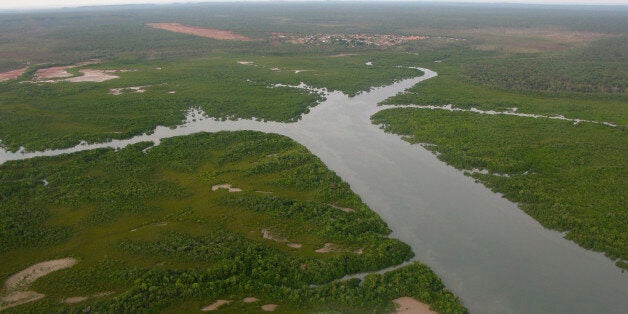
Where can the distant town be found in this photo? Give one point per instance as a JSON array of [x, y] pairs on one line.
[[351, 40]]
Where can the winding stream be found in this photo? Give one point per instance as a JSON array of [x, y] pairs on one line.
[[486, 250]]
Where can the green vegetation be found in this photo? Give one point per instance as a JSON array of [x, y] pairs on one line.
[[569, 177], [450, 87], [53, 115], [600, 67], [149, 226]]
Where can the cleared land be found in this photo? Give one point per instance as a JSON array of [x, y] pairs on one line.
[[10, 75], [407, 305], [16, 288], [199, 31]]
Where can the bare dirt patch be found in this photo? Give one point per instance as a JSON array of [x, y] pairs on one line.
[[214, 306], [266, 234], [344, 209], [60, 71], [10, 75], [343, 55], [199, 31], [19, 297], [72, 300], [269, 307], [335, 248], [407, 305], [226, 186], [94, 76], [250, 299], [16, 286], [24, 278], [131, 89], [53, 72]]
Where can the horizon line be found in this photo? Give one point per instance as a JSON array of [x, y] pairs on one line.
[[190, 2]]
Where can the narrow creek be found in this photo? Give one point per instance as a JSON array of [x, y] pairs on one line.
[[486, 250]]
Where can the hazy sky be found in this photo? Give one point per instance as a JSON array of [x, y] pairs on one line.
[[30, 4]]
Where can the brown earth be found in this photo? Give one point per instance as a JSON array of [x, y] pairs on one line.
[[11, 74], [226, 186], [269, 307], [344, 209], [16, 287], [25, 277], [407, 305], [335, 248], [343, 55], [267, 235], [94, 76], [54, 72], [60, 71], [214, 306], [199, 31]]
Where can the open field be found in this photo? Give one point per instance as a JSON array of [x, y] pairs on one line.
[[10, 75], [199, 31]]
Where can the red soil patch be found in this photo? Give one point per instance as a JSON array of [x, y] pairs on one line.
[[60, 71], [54, 72], [11, 74], [199, 31]]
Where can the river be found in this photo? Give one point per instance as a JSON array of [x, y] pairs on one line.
[[487, 251]]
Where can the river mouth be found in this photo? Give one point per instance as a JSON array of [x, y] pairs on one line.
[[487, 251]]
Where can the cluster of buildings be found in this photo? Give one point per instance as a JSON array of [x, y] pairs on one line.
[[350, 40]]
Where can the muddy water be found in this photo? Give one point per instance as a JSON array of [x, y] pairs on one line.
[[492, 255]]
